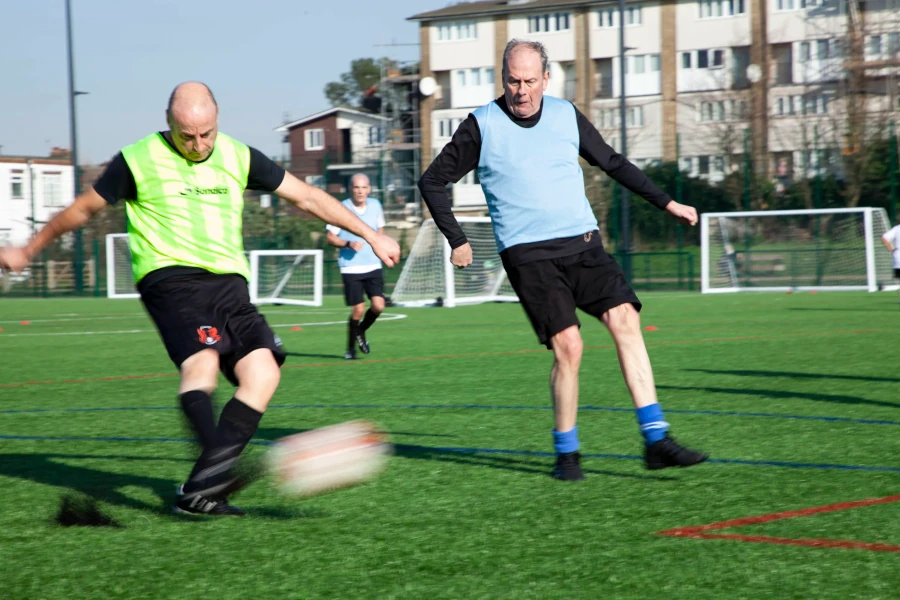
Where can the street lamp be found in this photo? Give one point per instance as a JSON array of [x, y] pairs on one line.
[[73, 142], [625, 206]]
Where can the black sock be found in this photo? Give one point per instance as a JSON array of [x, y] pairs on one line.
[[198, 408], [368, 319], [354, 330], [213, 470]]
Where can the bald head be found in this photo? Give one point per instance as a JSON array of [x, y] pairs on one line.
[[361, 188], [193, 116]]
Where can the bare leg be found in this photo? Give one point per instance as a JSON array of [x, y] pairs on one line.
[[624, 324], [567, 350]]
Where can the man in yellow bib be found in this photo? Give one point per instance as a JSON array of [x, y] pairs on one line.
[[184, 199]]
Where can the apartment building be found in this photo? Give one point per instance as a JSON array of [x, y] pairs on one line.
[[705, 80]]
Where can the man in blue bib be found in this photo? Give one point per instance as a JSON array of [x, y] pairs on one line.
[[360, 268], [526, 146]]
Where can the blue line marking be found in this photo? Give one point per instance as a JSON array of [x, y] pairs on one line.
[[712, 413], [452, 450]]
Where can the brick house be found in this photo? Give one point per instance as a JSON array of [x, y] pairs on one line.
[[328, 147]]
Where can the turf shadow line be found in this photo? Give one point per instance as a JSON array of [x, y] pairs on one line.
[[794, 375], [459, 450], [587, 407]]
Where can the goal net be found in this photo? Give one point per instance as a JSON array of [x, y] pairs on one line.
[[822, 249], [276, 276], [286, 277], [428, 278], [119, 276]]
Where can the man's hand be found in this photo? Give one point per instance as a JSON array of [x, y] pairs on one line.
[[461, 257], [684, 213], [385, 248], [14, 259], [356, 246]]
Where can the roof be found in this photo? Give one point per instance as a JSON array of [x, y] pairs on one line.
[[497, 7], [327, 113], [35, 160]]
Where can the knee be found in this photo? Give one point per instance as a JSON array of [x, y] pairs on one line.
[[568, 347], [200, 371], [377, 305], [259, 373], [623, 320]]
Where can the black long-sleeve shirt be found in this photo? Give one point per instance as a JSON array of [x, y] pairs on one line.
[[461, 156]]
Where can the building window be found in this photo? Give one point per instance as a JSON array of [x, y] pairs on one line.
[[316, 181], [875, 45], [17, 180], [786, 4], [685, 60], [654, 63], [465, 30], [738, 109], [549, 22], [702, 59], [638, 64], [489, 76], [609, 17], [52, 183], [476, 76], [314, 139], [703, 165], [804, 52], [718, 59], [633, 16], [635, 116], [461, 78], [823, 49], [375, 136], [710, 9]]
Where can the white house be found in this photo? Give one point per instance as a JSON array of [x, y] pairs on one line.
[[32, 190]]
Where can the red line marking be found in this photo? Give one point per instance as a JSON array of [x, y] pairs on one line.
[[696, 531], [808, 542], [450, 356]]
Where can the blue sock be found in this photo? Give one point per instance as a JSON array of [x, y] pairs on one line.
[[653, 425], [566, 441]]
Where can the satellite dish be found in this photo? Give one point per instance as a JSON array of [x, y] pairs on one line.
[[754, 73], [427, 85]]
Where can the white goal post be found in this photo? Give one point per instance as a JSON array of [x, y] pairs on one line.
[[833, 249], [119, 274], [286, 277], [429, 279], [276, 276]]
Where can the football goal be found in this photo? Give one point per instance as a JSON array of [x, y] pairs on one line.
[[822, 249], [276, 276], [430, 279]]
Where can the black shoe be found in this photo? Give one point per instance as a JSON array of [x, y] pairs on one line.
[[195, 504], [568, 467], [669, 453], [350, 355], [362, 342]]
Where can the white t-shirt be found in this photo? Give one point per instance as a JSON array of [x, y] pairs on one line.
[[358, 269], [893, 236]]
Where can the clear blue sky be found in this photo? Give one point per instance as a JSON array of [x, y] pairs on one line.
[[261, 58]]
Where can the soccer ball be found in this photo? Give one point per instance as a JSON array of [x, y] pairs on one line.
[[321, 460]]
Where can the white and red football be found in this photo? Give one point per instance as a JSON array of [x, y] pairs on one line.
[[321, 460]]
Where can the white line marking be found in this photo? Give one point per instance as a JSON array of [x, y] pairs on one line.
[[386, 317]]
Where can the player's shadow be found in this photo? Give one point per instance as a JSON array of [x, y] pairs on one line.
[[104, 486], [890, 308], [783, 395], [791, 375], [522, 465], [270, 434], [311, 355], [462, 456]]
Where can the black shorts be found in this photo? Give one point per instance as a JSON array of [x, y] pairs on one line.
[[372, 283], [550, 290], [196, 312], [897, 273]]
